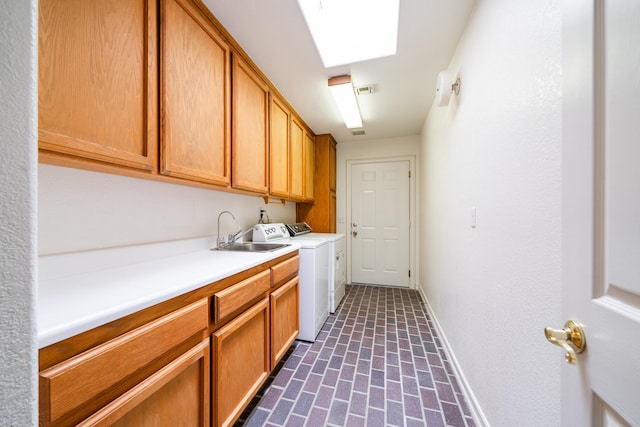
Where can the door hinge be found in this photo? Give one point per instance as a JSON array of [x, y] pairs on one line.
[[409, 174], [409, 273]]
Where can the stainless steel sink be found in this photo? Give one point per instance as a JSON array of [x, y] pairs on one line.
[[251, 247]]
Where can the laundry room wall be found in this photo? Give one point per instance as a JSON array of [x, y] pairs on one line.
[[18, 262], [81, 210], [497, 148]]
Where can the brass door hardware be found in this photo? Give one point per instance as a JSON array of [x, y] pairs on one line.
[[571, 338]]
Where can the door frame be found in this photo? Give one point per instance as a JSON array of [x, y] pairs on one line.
[[413, 224]]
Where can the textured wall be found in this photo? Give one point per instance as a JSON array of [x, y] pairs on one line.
[[497, 147], [18, 123]]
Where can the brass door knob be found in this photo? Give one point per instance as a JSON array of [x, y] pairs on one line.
[[571, 338]]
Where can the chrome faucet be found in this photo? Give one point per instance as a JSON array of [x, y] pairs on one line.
[[221, 241]]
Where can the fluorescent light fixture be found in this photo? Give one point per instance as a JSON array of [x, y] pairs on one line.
[[343, 93], [348, 31]]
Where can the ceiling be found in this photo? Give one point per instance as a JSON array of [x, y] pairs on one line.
[[274, 34]]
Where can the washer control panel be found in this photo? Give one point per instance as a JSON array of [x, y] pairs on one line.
[[269, 232]]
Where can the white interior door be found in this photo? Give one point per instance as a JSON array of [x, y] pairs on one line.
[[601, 209], [380, 223]]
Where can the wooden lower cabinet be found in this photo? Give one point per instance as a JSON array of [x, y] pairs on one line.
[[285, 320], [111, 379], [176, 395], [240, 362], [198, 364]]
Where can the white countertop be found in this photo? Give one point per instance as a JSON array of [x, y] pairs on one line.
[[79, 291]]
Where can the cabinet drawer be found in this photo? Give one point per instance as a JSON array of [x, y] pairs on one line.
[[234, 297], [284, 270], [81, 380]]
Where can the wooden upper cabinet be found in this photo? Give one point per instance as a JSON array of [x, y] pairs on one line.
[[250, 129], [97, 81], [296, 177], [195, 96], [321, 214], [309, 166], [279, 148]]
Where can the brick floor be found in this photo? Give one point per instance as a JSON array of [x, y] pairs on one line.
[[377, 361]]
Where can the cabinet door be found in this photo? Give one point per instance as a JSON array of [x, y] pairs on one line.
[[97, 80], [240, 362], [176, 395], [296, 178], [285, 320], [195, 96], [279, 149], [250, 127], [309, 152]]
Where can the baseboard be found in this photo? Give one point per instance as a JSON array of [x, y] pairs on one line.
[[474, 407]]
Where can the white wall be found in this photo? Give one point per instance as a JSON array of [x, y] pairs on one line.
[[82, 210], [497, 147], [18, 126]]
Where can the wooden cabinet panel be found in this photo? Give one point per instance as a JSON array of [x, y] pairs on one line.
[[177, 394], [231, 299], [296, 177], [79, 384], [285, 320], [309, 167], [240, 362], [332, 165], [284, 270], [250, 137], [321, 215], [98, 79], [279, 148], [195, 96]]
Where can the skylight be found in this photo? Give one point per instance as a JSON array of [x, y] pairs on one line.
[[348, 31]]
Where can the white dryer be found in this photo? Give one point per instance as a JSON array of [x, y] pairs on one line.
[[337, 265]]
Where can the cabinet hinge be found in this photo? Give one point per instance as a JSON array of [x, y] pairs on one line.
[[409, 273], [409, 174]]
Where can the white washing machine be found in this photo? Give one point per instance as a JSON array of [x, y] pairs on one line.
[[313, 274]]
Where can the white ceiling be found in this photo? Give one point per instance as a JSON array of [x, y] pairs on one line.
[[274, 34]]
